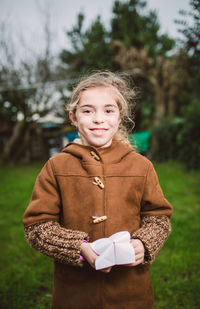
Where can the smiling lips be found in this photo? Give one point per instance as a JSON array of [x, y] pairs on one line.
[[98, 129]]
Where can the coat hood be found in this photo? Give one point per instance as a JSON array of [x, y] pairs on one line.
[[112, 154]]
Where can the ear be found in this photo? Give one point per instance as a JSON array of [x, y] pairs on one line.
[[72, 117], [120, 119]]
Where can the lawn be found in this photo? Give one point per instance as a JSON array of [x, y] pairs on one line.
[[26, 275]]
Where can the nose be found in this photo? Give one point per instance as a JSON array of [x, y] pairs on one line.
[[98, 117]]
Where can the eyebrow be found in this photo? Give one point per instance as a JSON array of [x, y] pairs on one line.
[[92, 106], [86, 105], [111, 105]]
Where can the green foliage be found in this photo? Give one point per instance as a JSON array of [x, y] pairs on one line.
[[188, 138], [189, 58], [190, 29], [166, 146], [26, 276], [132, 27], [92, 48], [97, 48], [179, 138]]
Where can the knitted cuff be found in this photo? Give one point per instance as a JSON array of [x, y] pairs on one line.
[[57, 242], [153, 233]]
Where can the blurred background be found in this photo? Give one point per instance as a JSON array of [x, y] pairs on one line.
[[45, 48]]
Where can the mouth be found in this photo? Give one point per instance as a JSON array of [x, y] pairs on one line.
[[98, 129]]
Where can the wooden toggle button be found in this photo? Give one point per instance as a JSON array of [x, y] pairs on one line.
[[99, 219], [98, 182], [95, 156]]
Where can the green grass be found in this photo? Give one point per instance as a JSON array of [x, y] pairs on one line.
[[26, 275], [175, 272]]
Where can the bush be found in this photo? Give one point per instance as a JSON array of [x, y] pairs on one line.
[[189, 137], [179, 138], [165, 136]]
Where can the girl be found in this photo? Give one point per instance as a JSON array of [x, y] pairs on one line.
[[101, 177]]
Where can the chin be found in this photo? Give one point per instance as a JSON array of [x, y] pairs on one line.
[[98, 142], [101, 145]]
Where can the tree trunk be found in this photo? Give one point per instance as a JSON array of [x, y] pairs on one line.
[[171, 107], [11, 145], [17, 143], [159, 112]]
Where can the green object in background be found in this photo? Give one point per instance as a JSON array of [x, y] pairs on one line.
[[141, 139]]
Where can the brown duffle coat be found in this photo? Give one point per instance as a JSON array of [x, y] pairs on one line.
[[66, 191]]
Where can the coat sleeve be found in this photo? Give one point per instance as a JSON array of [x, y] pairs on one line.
[[55, 241], [156, 211], [45, 202], [153, 233], [153, 202]]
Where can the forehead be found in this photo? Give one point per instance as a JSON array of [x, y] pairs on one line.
[[99, 95]]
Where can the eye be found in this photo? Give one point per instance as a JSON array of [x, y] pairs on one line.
[[109, 111], [87, 111]]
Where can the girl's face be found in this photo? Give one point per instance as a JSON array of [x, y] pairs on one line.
[[97, 117]]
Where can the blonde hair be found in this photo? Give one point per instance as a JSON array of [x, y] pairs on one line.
[[124, 98]]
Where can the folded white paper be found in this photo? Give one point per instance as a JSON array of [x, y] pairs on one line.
[[114, 250]]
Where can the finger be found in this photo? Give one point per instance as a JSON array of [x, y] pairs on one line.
[[137, 245], [106, 270], [139, 260], [129, 265], [138, 251], [139, 256], [135, 264]]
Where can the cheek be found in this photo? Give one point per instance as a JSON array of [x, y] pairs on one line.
[[114, 123], [117, 121], [83, 122]]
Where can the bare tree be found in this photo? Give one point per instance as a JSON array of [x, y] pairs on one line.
[[162, 74], [25, 91]]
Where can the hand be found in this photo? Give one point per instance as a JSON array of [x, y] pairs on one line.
[[90, 256], [139, 252]]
